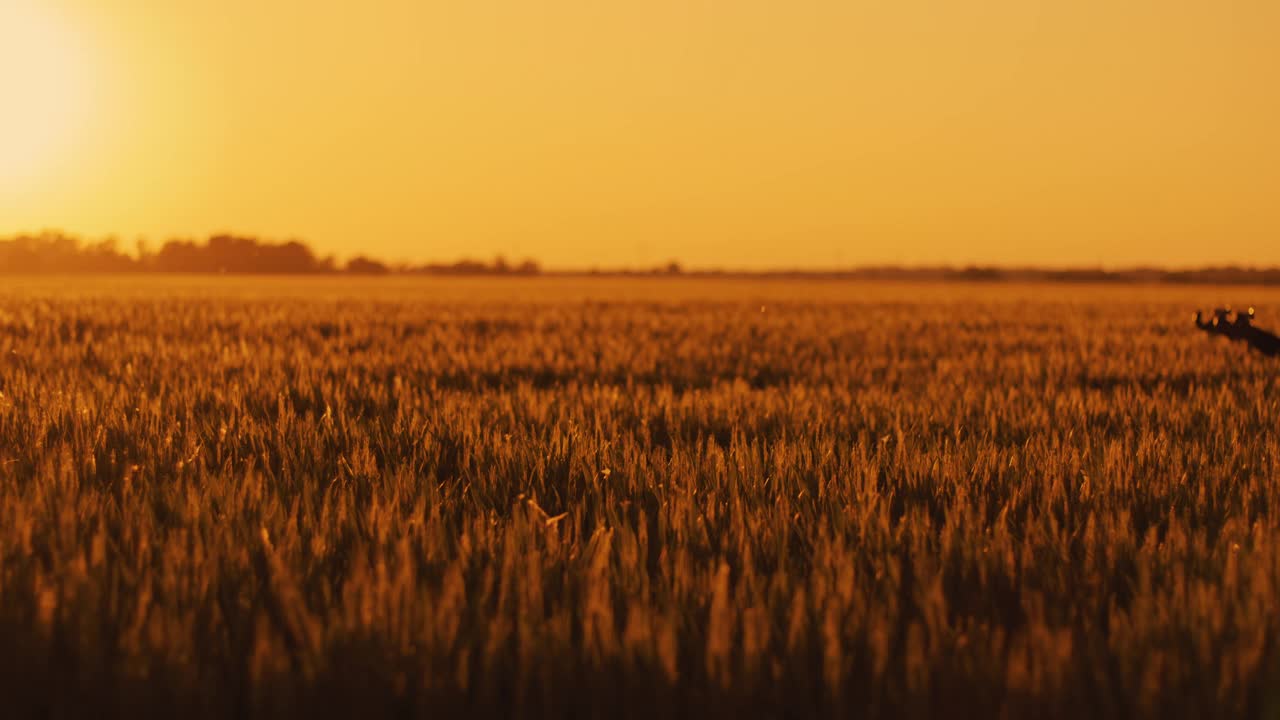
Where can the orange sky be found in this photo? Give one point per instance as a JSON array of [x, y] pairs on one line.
[[740, 134]]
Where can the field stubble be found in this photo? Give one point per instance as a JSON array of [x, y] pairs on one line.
[[627, 498]]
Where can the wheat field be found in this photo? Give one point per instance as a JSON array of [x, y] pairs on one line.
[[560, 497]]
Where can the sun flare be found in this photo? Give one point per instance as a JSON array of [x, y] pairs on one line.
[[44, 91]]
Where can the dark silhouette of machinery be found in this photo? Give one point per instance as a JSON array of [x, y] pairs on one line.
[[1239, 326]]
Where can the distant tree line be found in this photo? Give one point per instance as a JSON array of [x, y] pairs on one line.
[[1223, 275], [56, 252]]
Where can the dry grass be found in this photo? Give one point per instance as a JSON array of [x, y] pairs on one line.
[[633, 498]]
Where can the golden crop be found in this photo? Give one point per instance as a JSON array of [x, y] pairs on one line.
[[556, 497]]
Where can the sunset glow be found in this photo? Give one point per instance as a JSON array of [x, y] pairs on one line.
[[44, 92], [663, 358], [746, 134]]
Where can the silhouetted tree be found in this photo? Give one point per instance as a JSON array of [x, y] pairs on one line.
[[231, 254], [56, 252], [365, 266]]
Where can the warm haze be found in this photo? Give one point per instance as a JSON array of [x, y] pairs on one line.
[[744, 134], [327, 445]]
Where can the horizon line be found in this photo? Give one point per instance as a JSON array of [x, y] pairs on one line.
[[140, 250]]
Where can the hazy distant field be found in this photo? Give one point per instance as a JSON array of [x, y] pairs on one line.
[[553, 497]]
